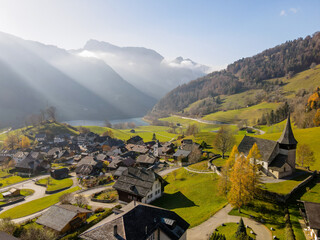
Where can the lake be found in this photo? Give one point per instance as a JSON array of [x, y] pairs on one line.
[[137, 121]]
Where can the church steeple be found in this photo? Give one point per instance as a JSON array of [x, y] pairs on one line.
[[287, 137]]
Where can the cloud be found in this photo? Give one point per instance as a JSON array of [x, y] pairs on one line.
[[293, 10], [283, 13]]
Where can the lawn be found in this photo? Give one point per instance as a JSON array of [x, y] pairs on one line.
[[250, 113], [230, 229], [55, 184], [35, 205], [11, 180], [219, 162], [200, 166], [312, 194], [286, 186], [194, 204], [271, 213]]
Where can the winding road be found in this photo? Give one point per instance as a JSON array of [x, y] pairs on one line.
[[205, 229]]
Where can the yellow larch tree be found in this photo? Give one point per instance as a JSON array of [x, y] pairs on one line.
[[241, 179], [25, 142], [224, 180]]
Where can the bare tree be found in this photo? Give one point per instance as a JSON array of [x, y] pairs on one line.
[[224, 140], [66, 198], [33, 232], [195, 155], [107, 123], [81, 201], [51, 113], [8, 226]]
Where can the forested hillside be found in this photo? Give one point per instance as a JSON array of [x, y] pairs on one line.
[[282, 61]]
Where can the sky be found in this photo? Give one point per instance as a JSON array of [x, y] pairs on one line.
[[212, 32]]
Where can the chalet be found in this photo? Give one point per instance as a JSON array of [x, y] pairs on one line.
[[147, 160], [141, 149], [189, 145], [140, 185], [119, 172], [139, 221], [54, 152], [183, 154], [112, 142], [311, 216], [166, 149], [59, 173], [13, 192], [278, 157], [61, 138], [135, 140], [121, 162], [41, 137], [31, 165], [88, 166], [19, 156], [116, 151], [64, 218]]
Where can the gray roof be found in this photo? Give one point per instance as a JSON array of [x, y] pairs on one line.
[[148, 159], [119, 171], [137, 181], [88, 160], [266, 147], [279, 161], [58, 216], [313, 214], [137, 222], [183, 153], [287, 136]]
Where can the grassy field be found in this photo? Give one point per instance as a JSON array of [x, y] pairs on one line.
[[294, 218], [23, 192], [271, 213], [309, 136], [35, 205], [313, 193], [250, 113], [286, 186], [55, 185], [200, 166], [230, 229], [146, 132], [195, 204], [11, 180], [309, 80]]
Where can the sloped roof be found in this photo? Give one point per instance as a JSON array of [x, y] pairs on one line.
[[58, 216], [88, 160], [287, 136], [266, 147], [313, 214], [137, 181], [183, 153], [279, 161], [138, 221], [149, 159]]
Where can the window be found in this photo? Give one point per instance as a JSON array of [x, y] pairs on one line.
[[151, 237]]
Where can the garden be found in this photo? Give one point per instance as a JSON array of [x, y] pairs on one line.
[[54, 184]]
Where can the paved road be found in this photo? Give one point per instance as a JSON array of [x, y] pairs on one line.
[[167, 171], [195, 171], [204, 230]]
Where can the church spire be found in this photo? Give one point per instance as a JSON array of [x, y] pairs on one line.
[[287, 136]]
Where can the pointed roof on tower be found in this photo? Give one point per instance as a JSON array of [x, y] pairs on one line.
[[287, 136]]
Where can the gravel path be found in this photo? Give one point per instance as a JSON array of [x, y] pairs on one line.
[[195, 171], [204, 230]]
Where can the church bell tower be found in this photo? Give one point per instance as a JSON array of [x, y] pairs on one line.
[[288, 144]]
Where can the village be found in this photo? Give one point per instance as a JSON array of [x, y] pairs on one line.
[[92, 186]]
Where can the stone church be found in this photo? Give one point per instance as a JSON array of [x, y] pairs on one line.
[[278, 157]]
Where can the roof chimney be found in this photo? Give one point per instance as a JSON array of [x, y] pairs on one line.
[[115, 230]]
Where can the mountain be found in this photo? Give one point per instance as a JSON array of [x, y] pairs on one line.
[[250, 73], [144, 68], [34, 75]]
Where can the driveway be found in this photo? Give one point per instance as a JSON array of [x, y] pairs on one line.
[[204, 230]]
